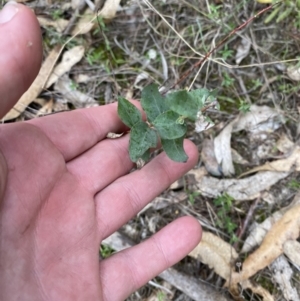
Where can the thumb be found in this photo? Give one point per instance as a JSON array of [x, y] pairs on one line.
[[21, 53]]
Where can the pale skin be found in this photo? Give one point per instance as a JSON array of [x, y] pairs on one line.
[[65, 187]]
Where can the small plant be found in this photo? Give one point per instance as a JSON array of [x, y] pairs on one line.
[[226, 53], [284, 11], [227, 80], [57, 14], [224, 204], [244, 106], [192, 196], [166, 120], [294, 184]]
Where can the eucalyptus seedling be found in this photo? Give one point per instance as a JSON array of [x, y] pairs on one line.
[[166, 115]]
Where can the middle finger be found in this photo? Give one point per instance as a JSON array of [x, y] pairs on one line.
[[102, 164]]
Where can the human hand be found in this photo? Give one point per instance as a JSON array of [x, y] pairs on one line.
[[65, 187]]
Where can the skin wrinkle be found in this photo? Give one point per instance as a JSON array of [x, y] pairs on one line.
[[133, 198], [158, 245], [129, 261], [116, 187]]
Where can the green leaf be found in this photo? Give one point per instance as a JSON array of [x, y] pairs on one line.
[[183, 104], [168, 126], [187, 103], [174, 149], [128, 113], [152, 102], [142, 138], [201, 95]]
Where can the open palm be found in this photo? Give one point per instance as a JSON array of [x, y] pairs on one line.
[[64, 187]]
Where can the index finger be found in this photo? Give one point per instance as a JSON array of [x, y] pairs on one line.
[[74, 132]]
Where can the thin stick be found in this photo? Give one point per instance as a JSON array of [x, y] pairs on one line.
[[208, 54]]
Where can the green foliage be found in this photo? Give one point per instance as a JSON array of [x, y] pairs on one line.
[[226, 53], [224, 205], [192, 196], [169, 126], [227, 80], [244, 106], [142, 138], [174, 149], [152, 102], [105, 251], [128, 113], [294, 184], [287, 10], [56, 14], [166, 121], [177, 101]]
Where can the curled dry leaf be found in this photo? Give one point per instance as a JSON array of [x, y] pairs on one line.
[[216, 253], [287, 228], [223, 150], [242, 50], [209, 159], [60, 24], [69, 59], [259, 231], [258, 119]]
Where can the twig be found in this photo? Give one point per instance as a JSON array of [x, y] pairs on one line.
[[208, 54], [74, 17], [242, 230]]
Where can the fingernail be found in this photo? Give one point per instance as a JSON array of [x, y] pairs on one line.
[[8, 11]]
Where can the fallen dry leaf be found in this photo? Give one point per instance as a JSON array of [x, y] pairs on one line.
[[237, 158], [239, 189], [37, 86], [46, 106], [294, 73], [284, 144], [287, 228], [69, 59], [282, 274], [109, 9], [64, 85], [291, 249], [291, 163], [209, 159], [257, 289], [223, 150], [216, 253], [259, 231], [60, 24], [258, 119], [220, 256], [85, 23], [242, 50]]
